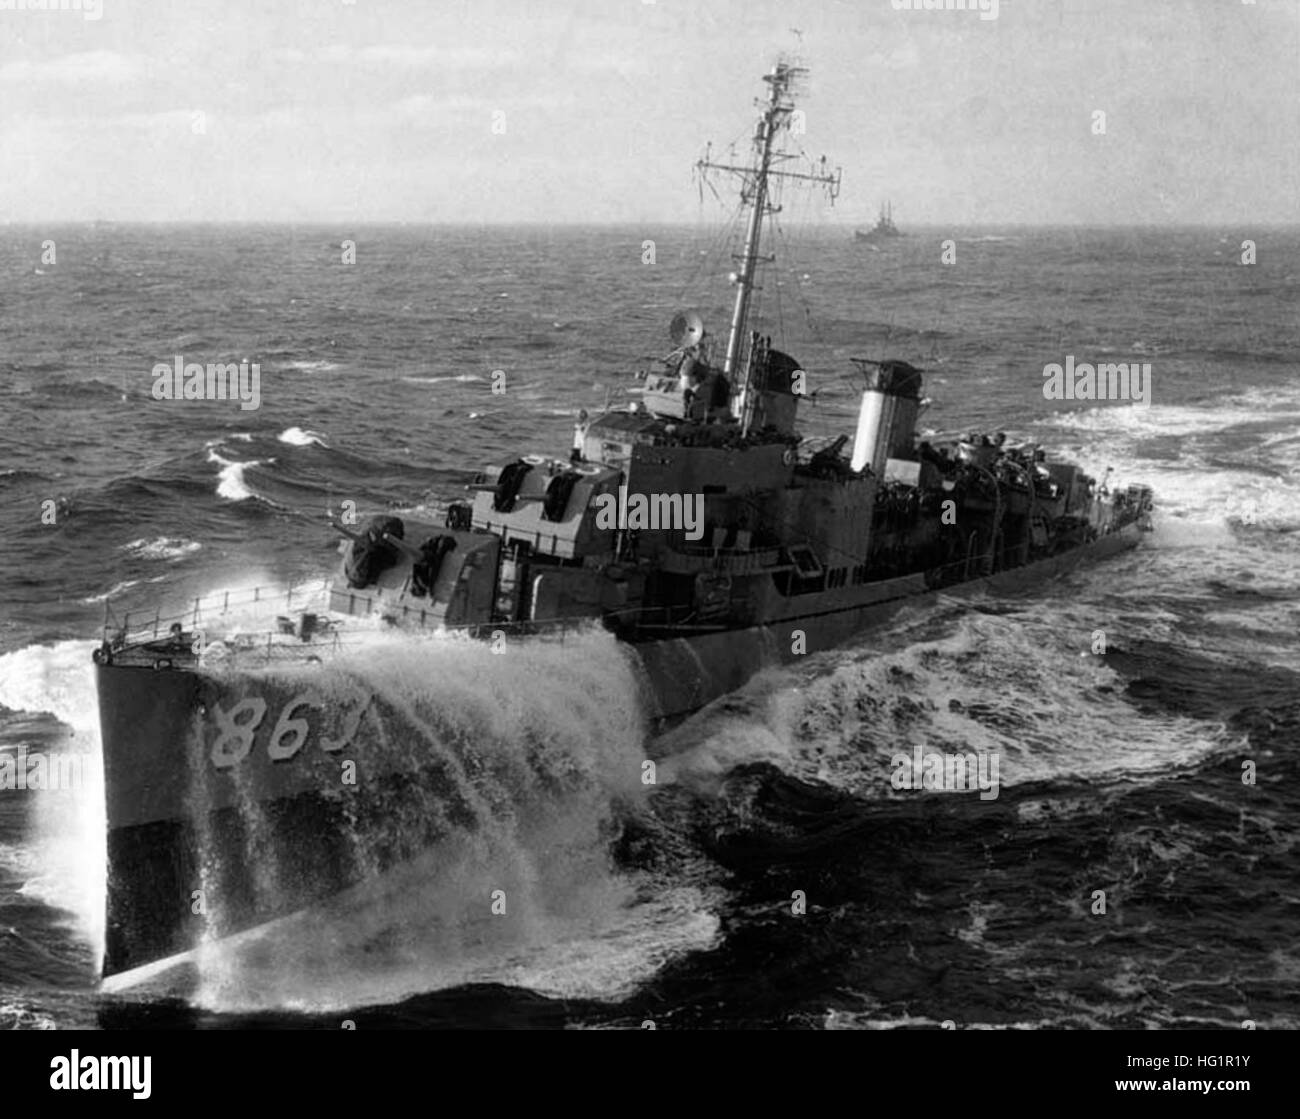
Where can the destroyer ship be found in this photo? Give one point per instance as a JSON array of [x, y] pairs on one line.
[[695, 524], [883, 230]]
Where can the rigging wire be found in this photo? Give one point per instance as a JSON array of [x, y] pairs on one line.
[[722, 235]]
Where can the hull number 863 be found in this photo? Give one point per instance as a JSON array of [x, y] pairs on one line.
[[237, 728]]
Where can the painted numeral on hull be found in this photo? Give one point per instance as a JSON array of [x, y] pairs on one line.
[[360, 703], [235, 737], [296, 730], [237, 728]]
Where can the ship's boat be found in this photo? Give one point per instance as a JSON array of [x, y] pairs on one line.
[[696, 525]]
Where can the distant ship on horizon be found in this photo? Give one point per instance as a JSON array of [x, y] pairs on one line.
[[884, 230]]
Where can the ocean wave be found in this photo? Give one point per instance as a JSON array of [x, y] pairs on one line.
[[161, 547], [16, 1015], [57, 679], [310, 366], [1212, 502], [117, 589], [114, 590], [1254, 406], [297, 437], [1018, 689], [1226, 463], [67, 832], [231, 484], [460, 378], [231, 437]]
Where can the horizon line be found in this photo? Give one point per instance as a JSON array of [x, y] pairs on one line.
[[323, 223]]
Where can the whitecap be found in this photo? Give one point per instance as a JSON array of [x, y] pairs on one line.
[[459, 378], [116, 589], [162, 547], [311, 366], [298, 437], [231, 484]]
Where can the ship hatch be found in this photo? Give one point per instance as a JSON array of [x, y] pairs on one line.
[[805, 560]]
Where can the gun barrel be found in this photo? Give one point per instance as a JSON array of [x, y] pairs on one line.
[[402, 545]]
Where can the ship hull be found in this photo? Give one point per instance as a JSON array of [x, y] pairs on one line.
[[221, 818], [233, 800], [684, 674]]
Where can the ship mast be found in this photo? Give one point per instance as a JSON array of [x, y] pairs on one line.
[[754, 193]]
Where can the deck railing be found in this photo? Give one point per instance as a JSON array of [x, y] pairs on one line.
[[139, 625], [136, 628]]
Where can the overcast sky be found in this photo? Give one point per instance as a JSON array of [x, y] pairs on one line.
[[383, 110]]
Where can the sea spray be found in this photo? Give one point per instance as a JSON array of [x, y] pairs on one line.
[[535, 752], [1057, 710], [67, 826]]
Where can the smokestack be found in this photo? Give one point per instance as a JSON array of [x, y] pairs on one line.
[[887, 420], [867, 444]]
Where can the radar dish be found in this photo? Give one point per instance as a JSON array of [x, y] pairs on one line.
[[686, 329]]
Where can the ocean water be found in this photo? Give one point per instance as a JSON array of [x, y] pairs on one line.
[[1121, 771]]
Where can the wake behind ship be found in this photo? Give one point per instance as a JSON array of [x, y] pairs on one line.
[[696, 526]]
